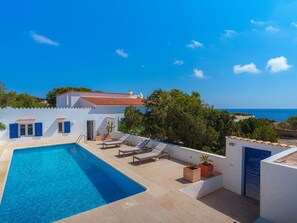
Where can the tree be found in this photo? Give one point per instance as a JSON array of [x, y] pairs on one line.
[[12, 99], [51, 95], [265, 133], [184, 119], [259, 129], [3, 102], [133, 122], [291, 123], [26, 101]]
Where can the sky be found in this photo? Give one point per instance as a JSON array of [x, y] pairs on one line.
[[236, 54]]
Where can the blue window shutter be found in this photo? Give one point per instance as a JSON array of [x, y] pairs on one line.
[[67, 127], [38, 129], [13, 131]]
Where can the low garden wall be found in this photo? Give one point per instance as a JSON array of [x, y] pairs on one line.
[[179, 152], [287, 133]]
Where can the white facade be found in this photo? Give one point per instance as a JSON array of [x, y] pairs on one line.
[[50, 117], [75, 99], [234, 164], [278, 190]]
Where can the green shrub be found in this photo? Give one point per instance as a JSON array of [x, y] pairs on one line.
[[2, 126]]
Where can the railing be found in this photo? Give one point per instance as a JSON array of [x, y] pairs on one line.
[[81, 136]]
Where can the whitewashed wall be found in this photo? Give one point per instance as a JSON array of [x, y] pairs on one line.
[[231, 165], [233, 178], [72, 99], [278, 190], [181, 153], [48, 116]]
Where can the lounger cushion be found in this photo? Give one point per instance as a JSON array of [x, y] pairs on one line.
[[113, 142], [146, 155], [130, 149]]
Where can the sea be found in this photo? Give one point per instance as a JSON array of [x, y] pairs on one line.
[[279, 115]]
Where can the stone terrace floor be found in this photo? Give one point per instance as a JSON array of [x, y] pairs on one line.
[[162, 201]]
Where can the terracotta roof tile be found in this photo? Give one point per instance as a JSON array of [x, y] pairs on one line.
[[115, 101], [260, 142]]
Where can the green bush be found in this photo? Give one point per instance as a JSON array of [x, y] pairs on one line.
[[2, 126], [184, 119], [259, 129]]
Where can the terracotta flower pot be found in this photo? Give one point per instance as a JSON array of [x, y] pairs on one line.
[[192, 175], [107, 137], [206, 171], [98, 137]]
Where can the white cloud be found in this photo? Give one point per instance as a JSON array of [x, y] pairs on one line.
[[42, 39], [248, 68], [258, 23], [271, 29], [178, 62], [198, 74], [194, 44], [228, 33], [278, 64], [122, 53], [294, 24]]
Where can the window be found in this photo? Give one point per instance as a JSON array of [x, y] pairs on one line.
[[30, 129], [26, 129], [64, 127], [22, 129], [61, 127]]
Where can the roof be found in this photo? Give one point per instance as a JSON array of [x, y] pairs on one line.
[[92, 92], [290, 159], [261, 142], [115, 101], [26, 119]]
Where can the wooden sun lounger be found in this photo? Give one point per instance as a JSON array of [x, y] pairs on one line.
[[156, 153], [133, 150], [115, 143]]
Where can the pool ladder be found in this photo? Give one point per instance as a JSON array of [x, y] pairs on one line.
[[81, 136]]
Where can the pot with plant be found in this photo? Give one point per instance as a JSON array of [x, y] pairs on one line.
[[2, 126], [109, 127], [206, 166], [98, 136], [192, 173]]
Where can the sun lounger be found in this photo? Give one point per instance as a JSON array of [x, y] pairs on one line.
[[133, 150], [156, 153], [115, 143]]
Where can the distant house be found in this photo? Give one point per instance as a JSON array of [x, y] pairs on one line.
[[242, 117], [98, 99]]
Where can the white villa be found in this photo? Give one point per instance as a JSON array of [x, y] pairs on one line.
[[85, 113], [263, 171]]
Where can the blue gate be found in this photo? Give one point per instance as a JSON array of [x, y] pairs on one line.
[[253, 159]]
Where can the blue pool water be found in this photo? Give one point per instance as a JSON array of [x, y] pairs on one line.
[[46, 184]]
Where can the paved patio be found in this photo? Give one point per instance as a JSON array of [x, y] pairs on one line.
[[162, 201]]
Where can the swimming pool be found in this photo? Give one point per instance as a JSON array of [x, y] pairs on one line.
[[49, 183]]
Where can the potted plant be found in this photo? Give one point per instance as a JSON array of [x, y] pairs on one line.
[[98, 136], [192, 173], [206, 166], [2, 126], [109, 128]]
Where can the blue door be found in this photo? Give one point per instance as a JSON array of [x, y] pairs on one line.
[[253, 159]]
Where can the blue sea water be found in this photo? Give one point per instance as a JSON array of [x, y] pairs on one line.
[[46, 184], [272, 114]]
